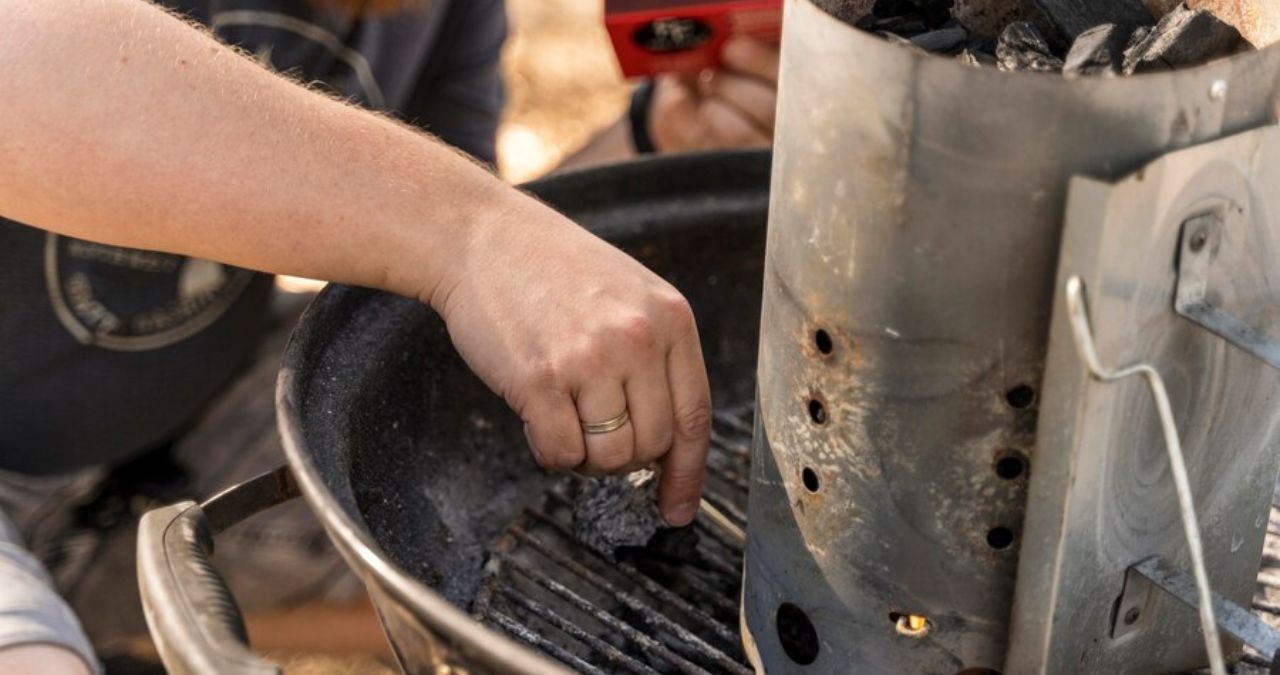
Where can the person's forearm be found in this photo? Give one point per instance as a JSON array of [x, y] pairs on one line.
[[123, 124]]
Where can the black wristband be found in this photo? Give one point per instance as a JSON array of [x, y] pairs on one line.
[[638, 115]]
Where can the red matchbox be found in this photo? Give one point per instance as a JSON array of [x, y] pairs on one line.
[[685, 36]]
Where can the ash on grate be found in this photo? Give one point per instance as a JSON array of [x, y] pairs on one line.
[[1119, 42], [616, 515]]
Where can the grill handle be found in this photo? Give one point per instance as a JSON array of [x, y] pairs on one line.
[[194, 620]]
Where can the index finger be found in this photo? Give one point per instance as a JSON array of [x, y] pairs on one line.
[[752, 57], [684, 466]]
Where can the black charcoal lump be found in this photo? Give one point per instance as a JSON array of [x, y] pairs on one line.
[[1098, 51], [1022, 47], [942, 41], [616, 512], [1184, 37], [907, 17], [1074, 18]]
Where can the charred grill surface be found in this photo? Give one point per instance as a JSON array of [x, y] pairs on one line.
[[671, 607], [1266, 599]]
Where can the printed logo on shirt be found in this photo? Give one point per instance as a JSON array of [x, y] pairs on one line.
[[131, 300]]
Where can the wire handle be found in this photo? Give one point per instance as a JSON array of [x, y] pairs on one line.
[[1083, 333]]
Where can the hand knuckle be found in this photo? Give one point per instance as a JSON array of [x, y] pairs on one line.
[[546, 373], [564, 458], [694, 420], [589, 354], [687, 480], [654, 449], [637, 332], [612, 460], [678, 310]]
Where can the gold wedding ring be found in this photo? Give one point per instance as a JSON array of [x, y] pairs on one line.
[[612, 424]]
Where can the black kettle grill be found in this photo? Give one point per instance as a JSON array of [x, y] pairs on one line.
[[422, 478]]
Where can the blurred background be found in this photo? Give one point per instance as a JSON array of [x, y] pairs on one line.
[[563, 84]]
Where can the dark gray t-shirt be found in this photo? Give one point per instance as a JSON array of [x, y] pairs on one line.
[[105, 351]]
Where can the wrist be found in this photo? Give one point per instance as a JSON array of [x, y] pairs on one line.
[[497, 216]]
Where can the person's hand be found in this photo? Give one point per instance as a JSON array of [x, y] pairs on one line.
[[568, 329], [729, 108]]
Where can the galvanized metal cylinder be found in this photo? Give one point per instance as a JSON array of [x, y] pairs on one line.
[[914, 231]]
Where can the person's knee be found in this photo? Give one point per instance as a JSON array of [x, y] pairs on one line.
[[45, 659]]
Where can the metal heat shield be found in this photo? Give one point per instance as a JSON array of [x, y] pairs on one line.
[[1202, 223]]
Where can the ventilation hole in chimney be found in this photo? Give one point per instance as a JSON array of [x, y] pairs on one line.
[[796, 633], [817, 411], [1000, 538], [810, 478], [1010, 464], [822, 340], [1021, 397], [910, 625]]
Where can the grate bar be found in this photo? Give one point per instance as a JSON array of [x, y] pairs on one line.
[[705, 526], [715, 597], [729, 510], [526, 634], [642, 616], [650, 616], [653, 587], [615, 656], [729, 445], [728, 477], [683, 664], [736, 420]]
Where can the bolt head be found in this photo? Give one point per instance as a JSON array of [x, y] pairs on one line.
[[1198, 240], [1131, 616]]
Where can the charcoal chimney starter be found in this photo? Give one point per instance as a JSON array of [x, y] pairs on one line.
[[912, 396]]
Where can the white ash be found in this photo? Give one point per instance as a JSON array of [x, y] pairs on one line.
[[616, 512]]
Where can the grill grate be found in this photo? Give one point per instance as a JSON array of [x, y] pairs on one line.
[[653, 615], [653, 612], [1266, 599]]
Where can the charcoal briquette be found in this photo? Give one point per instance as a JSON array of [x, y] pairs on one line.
[[942, 41], [1098, 51], [1184, 37], [1022, 47], [1074, 17], [616, 512]]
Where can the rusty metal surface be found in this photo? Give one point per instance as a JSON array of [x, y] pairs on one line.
[[916, 218], [1102, 496]]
